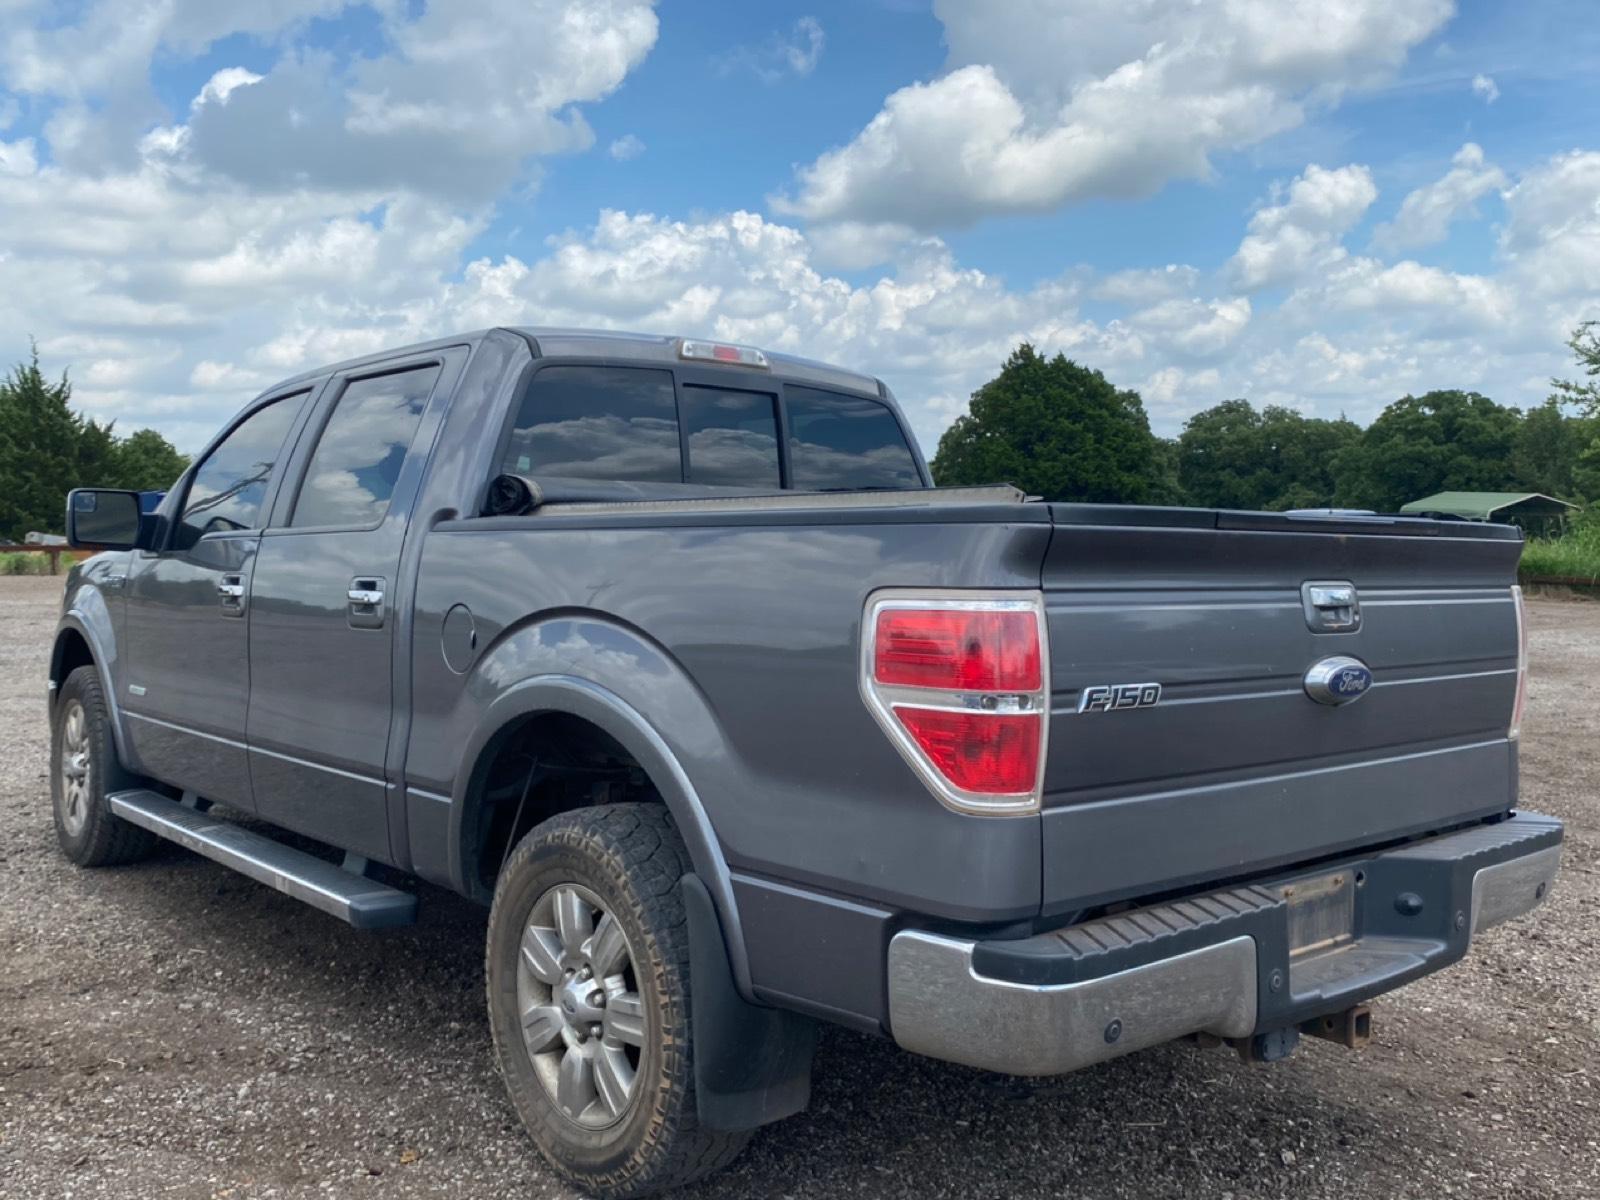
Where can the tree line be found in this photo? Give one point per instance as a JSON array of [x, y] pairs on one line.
[[1053, 427], [46, 449], [1061, 430]]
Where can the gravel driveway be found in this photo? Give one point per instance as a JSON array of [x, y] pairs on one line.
[[172, 1029]]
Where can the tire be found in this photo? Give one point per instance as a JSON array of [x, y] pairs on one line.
[[83, 771], [548, 924]]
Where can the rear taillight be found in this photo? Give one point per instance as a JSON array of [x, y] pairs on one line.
[[960, 685], [1521, 701]]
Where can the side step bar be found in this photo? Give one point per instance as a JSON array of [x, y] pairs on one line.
[[362, 902]]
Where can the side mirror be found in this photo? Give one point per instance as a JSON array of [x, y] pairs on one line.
[[103, 519]]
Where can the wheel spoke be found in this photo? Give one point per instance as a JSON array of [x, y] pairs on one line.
[[608, 949], [613, 1076], [541, 952], [625, 1018], [574, 920], [575, 1090], [541, 1027]]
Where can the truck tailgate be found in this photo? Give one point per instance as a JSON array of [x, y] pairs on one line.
[[1236, 769]]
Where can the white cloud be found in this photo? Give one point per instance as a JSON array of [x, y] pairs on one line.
[[1305, 232], [18, 157], [781, 55], [461, 100], [224, 83], [176, 283], [1426, 214], [1147, 285], [1485, 87], [1059, 103], [627, 147], [1551, 237]]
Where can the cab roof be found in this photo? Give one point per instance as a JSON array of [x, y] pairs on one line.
[[554, 341]]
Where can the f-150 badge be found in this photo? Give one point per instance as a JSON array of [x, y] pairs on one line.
[[1118, 696]]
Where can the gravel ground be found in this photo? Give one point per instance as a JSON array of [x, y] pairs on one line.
[[172, 1029]]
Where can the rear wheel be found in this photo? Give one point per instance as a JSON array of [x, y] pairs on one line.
[[84, 771], [588, 975]]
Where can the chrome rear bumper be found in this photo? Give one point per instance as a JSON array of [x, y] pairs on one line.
[[1215, 964]]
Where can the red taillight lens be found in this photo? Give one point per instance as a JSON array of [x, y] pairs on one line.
[[970, 650], [986, 753], [959, 685], [1521, 701]]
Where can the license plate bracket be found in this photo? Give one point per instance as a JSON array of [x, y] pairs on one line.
[[1322, 912]]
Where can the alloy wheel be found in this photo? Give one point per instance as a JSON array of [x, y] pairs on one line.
[[582, 1016]]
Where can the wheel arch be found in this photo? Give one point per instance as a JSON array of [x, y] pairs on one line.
[[79, 644], [613, 716]]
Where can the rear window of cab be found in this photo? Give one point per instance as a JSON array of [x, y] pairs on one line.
[[636, 424]]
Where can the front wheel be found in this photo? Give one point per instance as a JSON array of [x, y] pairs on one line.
[[588, 978], [83, 771]]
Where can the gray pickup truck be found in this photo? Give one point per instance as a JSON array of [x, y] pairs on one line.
[[670, 653]]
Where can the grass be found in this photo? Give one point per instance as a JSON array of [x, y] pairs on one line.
[[25, 564], [28, 563], [1574, 555]]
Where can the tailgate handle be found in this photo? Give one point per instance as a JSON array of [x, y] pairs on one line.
[[1331, 606]]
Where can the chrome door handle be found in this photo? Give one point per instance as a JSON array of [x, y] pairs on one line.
[[230, 592], [365, 596]]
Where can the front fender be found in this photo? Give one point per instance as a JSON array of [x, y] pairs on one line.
[[610, 676], [89, 617]]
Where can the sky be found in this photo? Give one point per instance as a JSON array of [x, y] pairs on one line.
[[1325, 204]]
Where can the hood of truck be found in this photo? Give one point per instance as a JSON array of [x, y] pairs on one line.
[[1233, 768]]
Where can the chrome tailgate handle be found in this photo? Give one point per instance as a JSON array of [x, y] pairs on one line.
[[1331, 606], [365, 600]]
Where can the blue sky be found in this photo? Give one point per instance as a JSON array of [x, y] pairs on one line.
[[1319, 203]]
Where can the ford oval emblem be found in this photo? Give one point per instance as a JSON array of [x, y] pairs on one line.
[[1338, 680]]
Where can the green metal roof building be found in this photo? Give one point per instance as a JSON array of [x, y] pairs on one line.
[[1531, 510]]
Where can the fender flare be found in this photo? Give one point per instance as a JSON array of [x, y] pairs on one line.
[[606, 710], [74, 621]]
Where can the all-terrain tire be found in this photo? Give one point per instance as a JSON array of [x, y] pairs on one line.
[[627, 859], [84, 770]]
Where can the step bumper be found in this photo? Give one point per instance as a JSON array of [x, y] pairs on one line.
[[1230, 963]]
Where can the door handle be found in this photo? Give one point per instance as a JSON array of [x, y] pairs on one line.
[[365, 597], [230, 592]]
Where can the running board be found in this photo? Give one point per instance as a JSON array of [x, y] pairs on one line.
[[362, 902]]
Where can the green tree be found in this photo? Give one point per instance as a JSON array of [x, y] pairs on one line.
[[1419, 445], [39, 448], [1234, 456], [1585, 394], [46, 450], [97, 453], [1055, 429], [147, 462], [1548, 444]]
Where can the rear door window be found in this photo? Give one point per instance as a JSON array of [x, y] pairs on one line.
[[732, 437], [839, 442], [362, 448], [612, 423]]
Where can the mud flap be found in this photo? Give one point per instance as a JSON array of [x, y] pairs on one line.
[[752, 1065]]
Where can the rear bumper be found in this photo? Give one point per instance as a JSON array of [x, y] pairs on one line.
[[1224, 963]]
